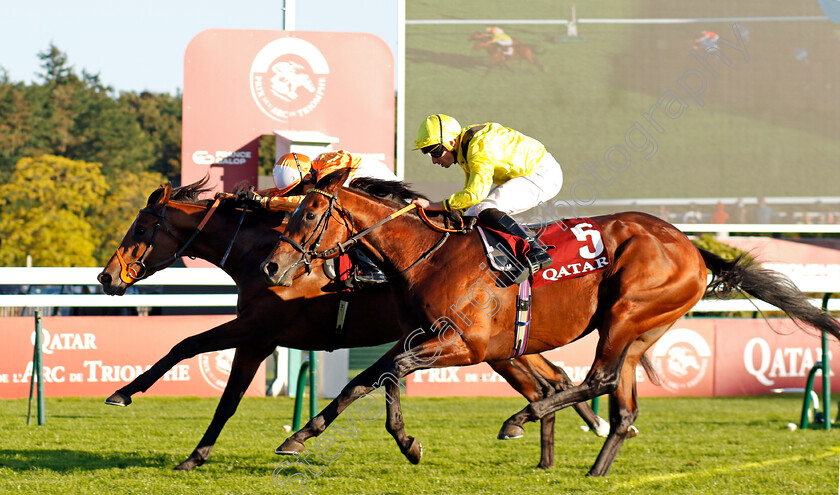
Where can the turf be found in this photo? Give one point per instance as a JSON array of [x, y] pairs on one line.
[[686, 445]]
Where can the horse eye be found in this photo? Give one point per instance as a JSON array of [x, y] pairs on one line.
[[139, 232], [310, 215]]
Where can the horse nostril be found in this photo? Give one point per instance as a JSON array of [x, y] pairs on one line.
[[104, 279], [269, 268]]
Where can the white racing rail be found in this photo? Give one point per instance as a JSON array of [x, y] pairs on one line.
[[86, 277], [82, 277]]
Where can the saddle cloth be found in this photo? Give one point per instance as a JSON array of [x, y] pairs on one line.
[[575, 244]]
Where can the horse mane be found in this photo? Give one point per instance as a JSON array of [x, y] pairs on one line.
[[184, 194], [393, 190]]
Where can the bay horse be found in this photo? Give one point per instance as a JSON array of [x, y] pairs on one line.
[[302, 317], [497, 54], [655, 276]]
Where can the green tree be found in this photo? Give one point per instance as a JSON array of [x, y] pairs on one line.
[[44, 212], [15, 125], [66, 213], [159, 117], [78, 117]]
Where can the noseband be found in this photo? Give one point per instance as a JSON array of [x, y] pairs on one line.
[[137, 270]]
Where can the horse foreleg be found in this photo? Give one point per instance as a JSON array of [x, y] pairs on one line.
[[225, 336], [409, 446], [427, 354], [243, 369], [359, 386]]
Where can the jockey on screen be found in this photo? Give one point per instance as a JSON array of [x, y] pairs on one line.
[[504, 41], [523, 171]]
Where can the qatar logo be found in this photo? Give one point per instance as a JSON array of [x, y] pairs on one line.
[[681, 357], [288, 78], [215, 367]]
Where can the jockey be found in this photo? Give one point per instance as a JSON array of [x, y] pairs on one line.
[[296, 173], [524, 172], [707, 39], [504, 41]]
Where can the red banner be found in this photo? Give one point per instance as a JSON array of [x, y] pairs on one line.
[[755, 359], [697, 357], [683, 359], [94, 356], [242, 84]]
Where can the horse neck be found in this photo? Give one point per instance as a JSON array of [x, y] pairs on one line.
[[216, 236], [399, 242]]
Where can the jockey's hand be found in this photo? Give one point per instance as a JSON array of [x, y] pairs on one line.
[[421, 202], [251, 198]]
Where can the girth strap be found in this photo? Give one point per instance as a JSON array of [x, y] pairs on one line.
[[522, 325]]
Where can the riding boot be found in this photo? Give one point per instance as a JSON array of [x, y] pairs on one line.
[[537, 257], [366, 271]]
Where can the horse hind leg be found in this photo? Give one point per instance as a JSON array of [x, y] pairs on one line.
[[624, 406]]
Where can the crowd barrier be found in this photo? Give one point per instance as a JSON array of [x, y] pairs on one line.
[[95, 355]]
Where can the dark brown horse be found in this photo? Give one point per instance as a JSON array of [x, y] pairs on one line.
[[302, 317], [498, 57], [656, 276]]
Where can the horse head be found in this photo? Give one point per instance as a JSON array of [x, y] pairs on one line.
[[306, 231], [154, 240]]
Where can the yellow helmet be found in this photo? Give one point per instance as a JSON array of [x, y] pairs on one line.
[[289, 171], [437, 129]]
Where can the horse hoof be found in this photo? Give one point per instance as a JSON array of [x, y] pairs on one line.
[[414, 451], [290, 447], [509, 432], [118, 399], [189, 464], [545, 465], [632, 431]]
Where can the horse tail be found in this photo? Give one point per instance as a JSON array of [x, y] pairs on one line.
[[745, 275], [650, 371]]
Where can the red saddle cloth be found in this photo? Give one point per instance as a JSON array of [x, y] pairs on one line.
[[576, 245]]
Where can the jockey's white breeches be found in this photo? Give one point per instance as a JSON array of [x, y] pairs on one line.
[[523, 193]]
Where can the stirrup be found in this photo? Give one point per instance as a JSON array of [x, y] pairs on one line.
[[538, 259]]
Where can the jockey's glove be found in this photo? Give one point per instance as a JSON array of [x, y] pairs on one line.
[[252, 199]]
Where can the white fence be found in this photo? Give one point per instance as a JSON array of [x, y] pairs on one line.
[[25, 278], [81, 278]]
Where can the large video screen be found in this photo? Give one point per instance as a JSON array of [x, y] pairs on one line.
[[648, 99]]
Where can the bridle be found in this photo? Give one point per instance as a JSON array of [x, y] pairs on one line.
[[311, 253], [137, 270]]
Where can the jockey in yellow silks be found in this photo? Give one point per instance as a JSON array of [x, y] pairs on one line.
[[523, 172], [501, 39]]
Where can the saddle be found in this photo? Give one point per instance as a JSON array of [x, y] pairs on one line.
[[575, 244]]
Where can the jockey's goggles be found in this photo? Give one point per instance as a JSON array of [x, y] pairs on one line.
[[435, 151]]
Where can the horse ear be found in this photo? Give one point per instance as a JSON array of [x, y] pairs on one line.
[[332, 182], [167, 193]]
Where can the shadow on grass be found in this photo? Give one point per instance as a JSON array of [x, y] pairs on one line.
[[63, 460]]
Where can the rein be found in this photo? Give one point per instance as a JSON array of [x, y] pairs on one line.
[[341, 248], [137, 270]]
